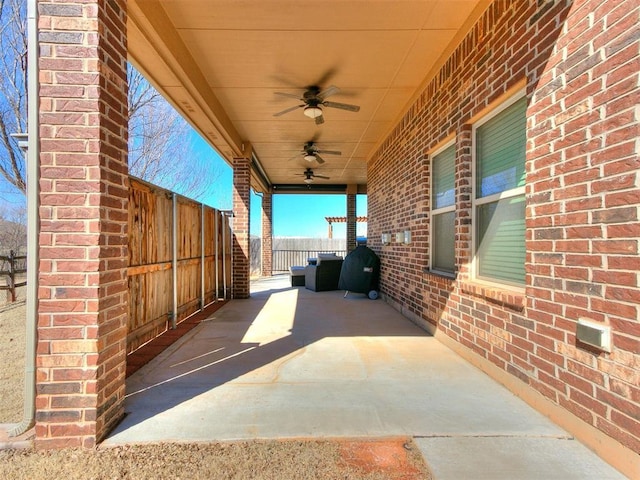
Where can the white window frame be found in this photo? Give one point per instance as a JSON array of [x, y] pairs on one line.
[[438, 211], [476, 202]]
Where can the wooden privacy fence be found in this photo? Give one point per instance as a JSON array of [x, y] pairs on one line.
[[179, 259], [11, 268]]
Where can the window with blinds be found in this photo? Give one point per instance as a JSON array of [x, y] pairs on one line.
[[443, 211], [500, 151]]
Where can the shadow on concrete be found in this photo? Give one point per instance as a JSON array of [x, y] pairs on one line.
[[291, 363], [247, 335]]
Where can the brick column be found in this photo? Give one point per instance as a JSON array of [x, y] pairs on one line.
[[83, 297], [351, 220], [267, 235], [241, 243]]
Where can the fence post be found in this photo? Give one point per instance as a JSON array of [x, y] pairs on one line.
[[224, 256], [174, 260], [11, 293], [202, 272], [231, 262], [216, 228]]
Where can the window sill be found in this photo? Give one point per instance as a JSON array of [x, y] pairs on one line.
[[512, 299], [438, 276]]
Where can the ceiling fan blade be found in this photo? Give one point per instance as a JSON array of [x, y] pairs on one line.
[[319, 159], [329, 152], [326, 76], [321, 176], [332, 90], [320, 120], [342, 106], [290, 109], [290, 95]]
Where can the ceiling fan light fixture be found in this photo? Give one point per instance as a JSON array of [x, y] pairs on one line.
[[309, 157], [308, 180], [313, 112]]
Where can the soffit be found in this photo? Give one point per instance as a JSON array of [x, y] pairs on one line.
[[220, 61]]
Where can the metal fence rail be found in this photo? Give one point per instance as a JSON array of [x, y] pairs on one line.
[[283, 259], [10, 267]]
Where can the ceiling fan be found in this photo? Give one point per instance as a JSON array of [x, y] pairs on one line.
[[310, 152], [309, 176], [313, 100]]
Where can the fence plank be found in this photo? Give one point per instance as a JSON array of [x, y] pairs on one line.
[[209, 256], [148, 268], [189, 224], [221, 254], [150, 259], [228, 257], [149, 224], [149, 303]]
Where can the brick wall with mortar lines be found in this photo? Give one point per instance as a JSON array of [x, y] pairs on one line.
[[241, 243], [351, 221], [583, 185], [83, 207], [267, 235], [579, 64]]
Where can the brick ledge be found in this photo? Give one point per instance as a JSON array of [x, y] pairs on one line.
[[437, 276], [503, 297]]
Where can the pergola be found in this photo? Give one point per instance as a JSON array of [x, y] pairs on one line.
[[332, 220]]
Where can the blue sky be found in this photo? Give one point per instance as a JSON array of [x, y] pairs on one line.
[[293, 215], [304, 215]]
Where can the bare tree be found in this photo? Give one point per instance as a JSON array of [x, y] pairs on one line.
[[13, 95], [13, 230], [159, 149]]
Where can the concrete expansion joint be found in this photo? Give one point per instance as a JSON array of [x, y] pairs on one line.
[[497, 435]]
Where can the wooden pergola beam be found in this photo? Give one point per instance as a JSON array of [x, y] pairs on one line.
[[332, 220]]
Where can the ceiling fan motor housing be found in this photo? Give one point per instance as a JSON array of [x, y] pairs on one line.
[[311, 95]]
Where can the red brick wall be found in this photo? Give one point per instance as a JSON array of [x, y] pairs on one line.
[[241, 243], [83, 229], [578, 63], [267, 235], [351, 221], [583, 226]]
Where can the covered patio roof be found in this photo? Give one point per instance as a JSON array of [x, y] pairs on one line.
[[221, 62]]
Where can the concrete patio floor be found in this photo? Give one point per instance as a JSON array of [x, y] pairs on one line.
[[291, 363]]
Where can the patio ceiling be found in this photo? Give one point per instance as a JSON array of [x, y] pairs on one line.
[[219, 63]]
